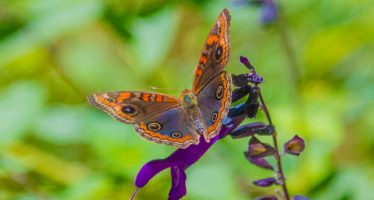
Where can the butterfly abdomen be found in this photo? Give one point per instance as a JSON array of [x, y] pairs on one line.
[[196, 118]]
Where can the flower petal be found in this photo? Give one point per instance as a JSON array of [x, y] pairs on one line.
[[268, 130], [245, 62], [265, 182], [149, 170], [237, 110], [181, 159], [178, 184], [294, 146], [248, 130], [260, 162], [241, 92], [240, 80], [252, 104], [257, 149]]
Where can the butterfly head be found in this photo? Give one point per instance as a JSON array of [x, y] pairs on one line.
[[188, 99]]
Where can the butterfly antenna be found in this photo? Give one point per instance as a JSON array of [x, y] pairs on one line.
[[134, 194]]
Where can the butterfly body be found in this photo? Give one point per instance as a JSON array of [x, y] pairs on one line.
[[198, 112], [190, 104]]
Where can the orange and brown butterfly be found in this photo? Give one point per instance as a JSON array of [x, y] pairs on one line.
[[198, 112]]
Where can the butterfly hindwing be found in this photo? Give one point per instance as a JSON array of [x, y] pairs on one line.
[[172, 127], [214, 102]]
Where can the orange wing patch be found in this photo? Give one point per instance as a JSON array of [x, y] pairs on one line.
[[146, 96], [203, 59], [199, 71], [211, 39], [124, 96], [158, 98]]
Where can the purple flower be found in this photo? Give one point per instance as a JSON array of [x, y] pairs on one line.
[[257, 149], [181, 159], [260, 162], [241, 92], [294, 146], [248, 130], [269, 12], [242, 80], [269, 9]]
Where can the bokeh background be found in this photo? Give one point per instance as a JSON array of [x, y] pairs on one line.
[[317, 61]]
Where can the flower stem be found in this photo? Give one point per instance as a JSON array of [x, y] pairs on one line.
[[133, 194], [275, 141]]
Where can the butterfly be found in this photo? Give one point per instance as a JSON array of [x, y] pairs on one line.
[[197, 112]]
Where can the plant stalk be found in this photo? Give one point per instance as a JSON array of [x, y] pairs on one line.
[[275, 141]]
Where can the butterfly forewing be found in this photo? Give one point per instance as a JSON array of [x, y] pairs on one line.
[[132, 107], [215, 53]]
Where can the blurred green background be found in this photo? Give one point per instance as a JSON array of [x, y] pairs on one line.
[[318, 68]]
